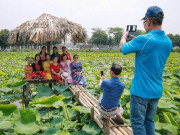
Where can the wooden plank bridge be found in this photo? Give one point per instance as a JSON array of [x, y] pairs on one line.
[[107, 125]]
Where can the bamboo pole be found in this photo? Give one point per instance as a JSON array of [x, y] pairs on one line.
[[120, 129], [130, 129], [92, 97], [127, 131]]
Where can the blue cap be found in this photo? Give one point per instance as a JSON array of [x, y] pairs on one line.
[[154, 11]]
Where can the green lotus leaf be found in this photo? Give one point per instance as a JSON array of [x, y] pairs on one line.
[[128, 105], [1, 73], [56, 121], [92, 128], [26, 123], [5, 124], [156, 118], [69, 124], [82, 109], [19, 84], [163, 104], [63, 132], [6, 89], [8, 109], [80, 133], [178, 116], [67, 94], [50, 131], [44, 90], [68, 101], [169, 118], [123, 102], [72, 112], [54, 100], [60, 88], [10, 96], [44, 126], [66, 113], [85, 117]]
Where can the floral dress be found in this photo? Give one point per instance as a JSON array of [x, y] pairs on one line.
[[66, 68], [38, 72], [77, 78]]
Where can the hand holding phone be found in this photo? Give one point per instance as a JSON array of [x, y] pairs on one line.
[[132, 30], [102, 73]]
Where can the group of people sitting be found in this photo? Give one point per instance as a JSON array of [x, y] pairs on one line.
[[59, 67]]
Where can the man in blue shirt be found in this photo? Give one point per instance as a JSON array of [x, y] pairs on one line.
[[55, 54], [152, 51], [113, 88]]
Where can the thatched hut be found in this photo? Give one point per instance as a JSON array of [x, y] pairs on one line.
[[47, 28]]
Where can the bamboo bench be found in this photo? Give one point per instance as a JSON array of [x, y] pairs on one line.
[[107, 125], [26, 88]]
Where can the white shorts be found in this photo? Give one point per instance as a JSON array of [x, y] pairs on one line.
[[112, 113]]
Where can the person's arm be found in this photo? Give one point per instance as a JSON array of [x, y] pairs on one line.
[[81, 68], [101, 82], [132, 46], [52, 70], [123, 39], [60, 71]]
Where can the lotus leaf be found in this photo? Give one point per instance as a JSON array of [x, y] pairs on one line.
[[67, 94], [26, 123], [54, 101], [92, 128], [8, 109], [50, 131], [19, 84], [63, 132], [60, 88], [82, 109], [44, 90]]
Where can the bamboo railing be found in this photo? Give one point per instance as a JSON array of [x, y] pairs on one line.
[[107, 125]]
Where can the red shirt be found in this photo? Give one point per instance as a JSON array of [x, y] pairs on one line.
[[56, 68], [69, 56]]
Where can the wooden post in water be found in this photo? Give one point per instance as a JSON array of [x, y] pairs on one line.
[[48, 47], [106, 125]]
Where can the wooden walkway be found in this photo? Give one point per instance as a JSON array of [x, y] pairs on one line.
[[87, 100]]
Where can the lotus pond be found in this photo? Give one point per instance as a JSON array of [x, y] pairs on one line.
[[56, 111]]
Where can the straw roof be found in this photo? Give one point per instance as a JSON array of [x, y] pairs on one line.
[[47, 28]]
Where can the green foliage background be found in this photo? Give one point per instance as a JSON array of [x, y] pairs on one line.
[[12, 65]]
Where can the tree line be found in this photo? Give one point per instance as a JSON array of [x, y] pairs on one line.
[[110, 36]]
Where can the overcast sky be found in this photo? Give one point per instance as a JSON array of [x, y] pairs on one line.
[[90, 13]]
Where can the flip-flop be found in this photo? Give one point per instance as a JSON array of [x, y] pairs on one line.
[[118, 120]]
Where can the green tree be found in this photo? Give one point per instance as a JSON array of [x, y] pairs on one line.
[[116, 33], [110, 41], [99, 37], [175, 39], [4, 34], [140, 32]]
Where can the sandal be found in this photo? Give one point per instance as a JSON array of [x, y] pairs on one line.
[[118, 120]]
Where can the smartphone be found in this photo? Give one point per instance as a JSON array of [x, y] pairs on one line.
[[102, 73], [132, 30]]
